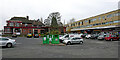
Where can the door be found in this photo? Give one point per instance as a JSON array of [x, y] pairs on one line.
[[74, 40], [4, 41], [0, 41], [78, 40]]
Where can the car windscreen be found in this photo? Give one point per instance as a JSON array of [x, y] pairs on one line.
[[101, 36], [4, 38]]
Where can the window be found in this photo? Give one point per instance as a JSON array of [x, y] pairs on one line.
[[93, 19], [79, 23], [103, 23], [89, 21], [11, 24], [82, 22], [8, 29], [86, 21], [110, 15], [17, 24], [99, 18], [5, 39], [24, 30], [116, 21], [119, 13], [115, 14], [110, 22], [107, 23], [103, 17], [26, 24]]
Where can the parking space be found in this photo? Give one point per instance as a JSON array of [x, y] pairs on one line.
[[33, 48]]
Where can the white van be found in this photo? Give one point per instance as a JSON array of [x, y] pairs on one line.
[[66, 36]]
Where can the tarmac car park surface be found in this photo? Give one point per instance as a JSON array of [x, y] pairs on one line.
[[33, 48]]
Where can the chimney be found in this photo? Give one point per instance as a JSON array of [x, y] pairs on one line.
[[27, 17]]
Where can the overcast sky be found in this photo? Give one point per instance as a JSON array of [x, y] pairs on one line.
[[35, 9]]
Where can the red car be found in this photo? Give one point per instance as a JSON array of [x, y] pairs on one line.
[[111, 37]]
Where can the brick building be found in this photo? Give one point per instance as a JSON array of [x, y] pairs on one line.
[[23, 26]]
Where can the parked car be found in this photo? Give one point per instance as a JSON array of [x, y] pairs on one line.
[[36, 35], [101, 37], [88, 36], [83, 35], [29, 35], [4, 41], [73, 40], [66, 36], [14, 35], [61, 39], [111, 37], [94, 36]]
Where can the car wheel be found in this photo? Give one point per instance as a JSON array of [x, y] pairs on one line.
[[81, 42], [9, 45], [69, 43]]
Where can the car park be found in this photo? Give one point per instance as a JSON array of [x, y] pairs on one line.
[[7, 42], [111, 37], [29, 35], [36, 36], [73, 40]]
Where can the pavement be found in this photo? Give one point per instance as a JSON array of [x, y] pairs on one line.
[[33, 48]]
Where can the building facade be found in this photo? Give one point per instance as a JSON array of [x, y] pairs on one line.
[[107, 22], [22, 25]]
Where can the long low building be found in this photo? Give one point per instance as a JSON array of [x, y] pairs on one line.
[[107, 22]]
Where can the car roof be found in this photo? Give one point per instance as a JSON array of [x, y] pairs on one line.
[[3, 37]]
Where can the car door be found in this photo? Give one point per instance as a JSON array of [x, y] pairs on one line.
[[4, 41], [73, 40], [78, 40], [0, 41]]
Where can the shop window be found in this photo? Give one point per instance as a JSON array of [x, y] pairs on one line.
[[11, 24]]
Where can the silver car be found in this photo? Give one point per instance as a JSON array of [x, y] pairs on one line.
[[4, 41], [72, 40]]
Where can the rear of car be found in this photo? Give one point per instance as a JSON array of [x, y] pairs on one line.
[[7, 42], [94, 36], [88, 36], [101, 37], [36, 35], [111, 37], [29, 35]]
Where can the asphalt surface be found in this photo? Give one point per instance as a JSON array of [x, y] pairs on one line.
[[33, 48]]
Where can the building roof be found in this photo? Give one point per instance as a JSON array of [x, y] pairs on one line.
[[26, 20]]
